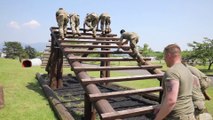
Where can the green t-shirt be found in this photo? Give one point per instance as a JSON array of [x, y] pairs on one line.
[[184, 104]]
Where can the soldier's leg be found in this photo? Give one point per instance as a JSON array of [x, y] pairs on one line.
[[107, 25], [133, 45], [60, 25], [73, 29], [94, 32], [94, 25], [72, 24], [88, 24], [77, 23], [66, 20], [199, 108], [102, 26]]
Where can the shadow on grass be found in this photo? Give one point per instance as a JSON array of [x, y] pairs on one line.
[[36, 87]]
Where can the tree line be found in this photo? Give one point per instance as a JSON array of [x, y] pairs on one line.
[[201, 52], [15, 50]]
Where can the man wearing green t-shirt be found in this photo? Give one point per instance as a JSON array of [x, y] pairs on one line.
[[177, 85]]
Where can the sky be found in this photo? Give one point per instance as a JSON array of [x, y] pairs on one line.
[[157, 22]]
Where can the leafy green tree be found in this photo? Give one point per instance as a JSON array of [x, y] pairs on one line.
[[13, 49], [203, 51], [31, 52], [158, 55], [146, 50]]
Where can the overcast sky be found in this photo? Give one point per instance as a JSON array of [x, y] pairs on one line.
[[158, 22]]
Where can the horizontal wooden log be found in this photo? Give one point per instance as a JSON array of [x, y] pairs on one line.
[[98, 96], [93, 51], [127, 113], [58, 107], [100, 59], [1, 97], [93, 46], [88, 41], [97, 68], [88, 37], [119, 79], [55, 29]]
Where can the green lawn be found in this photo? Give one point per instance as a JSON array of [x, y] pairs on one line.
[[24, 99]]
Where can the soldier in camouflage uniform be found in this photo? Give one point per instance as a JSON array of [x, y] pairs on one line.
[[74, 23], [133, 39], [62, 20], [91, 21], [104, 18], [200, 84]]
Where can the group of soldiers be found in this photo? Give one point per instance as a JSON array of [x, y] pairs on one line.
[[91, 21]]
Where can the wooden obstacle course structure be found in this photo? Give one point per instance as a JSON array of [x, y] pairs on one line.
[[76, 50]]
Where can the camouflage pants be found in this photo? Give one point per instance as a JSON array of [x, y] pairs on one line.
[[92, 25], [133, 46], [62, 21], [105, 22], [182, 117], [201, 111], [74, 23]]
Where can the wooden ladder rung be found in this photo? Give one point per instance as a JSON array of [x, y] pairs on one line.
[[100, 59], [88, 41], [127, 113], [116, 68], [119, 79], [92, 51], [98, 96], [90, 37], [92, 46]]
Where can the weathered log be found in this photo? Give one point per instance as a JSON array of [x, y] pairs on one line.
[[61, 112], [1, 97]]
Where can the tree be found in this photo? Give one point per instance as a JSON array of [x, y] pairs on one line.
[[31, 52], [203, 51], [146, 51], [13, 49], [158, 55]]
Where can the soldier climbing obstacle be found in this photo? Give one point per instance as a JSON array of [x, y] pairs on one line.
[[133, 39], [62, 20], [74, 23], [91, 21], [105, 21]]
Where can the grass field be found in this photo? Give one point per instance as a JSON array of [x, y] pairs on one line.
[[24, 99]]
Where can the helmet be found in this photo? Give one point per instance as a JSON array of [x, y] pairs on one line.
[[122, 31]]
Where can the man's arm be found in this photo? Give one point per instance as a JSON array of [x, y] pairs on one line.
[[171, 93]]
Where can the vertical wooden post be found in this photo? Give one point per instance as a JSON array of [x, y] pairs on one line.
[[1, 97], [59, 69], [56, 64], [51, 66], [89, 111], [102, 72]]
